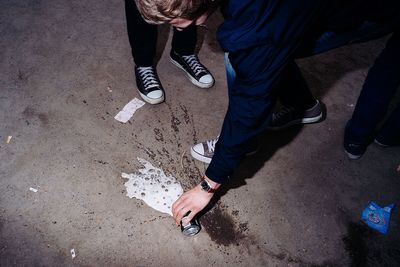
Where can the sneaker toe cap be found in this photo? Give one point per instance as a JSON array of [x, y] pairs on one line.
[[156, 94], [206, 79], [198, 148]]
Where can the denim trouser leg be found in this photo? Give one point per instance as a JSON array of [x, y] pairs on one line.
[[382, 81], [390, 131], [253, 95], [230, 72], [293, 89], [230, 78]]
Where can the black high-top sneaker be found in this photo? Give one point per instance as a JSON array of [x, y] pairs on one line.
[[149, 85], [197, 73]]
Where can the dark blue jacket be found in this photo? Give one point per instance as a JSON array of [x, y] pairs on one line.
[[262, 37]]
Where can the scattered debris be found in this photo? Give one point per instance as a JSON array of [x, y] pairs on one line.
[[73, 254], [33, 189], [109, 89], [129, 109], [376, 217], [8, 139], [350, 105]]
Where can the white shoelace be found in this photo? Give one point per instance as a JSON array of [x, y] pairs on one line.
[[148, 76], [194, 64], [211, 144]]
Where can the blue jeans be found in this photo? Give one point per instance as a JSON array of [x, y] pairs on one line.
[[379, 88], [252, 95], [381, 84], [293, 90], [230, 72]]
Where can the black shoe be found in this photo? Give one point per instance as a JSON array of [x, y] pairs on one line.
[[149, 85], [354, 151], [380, 143], [387, 141], [197, 73], [288, 116]]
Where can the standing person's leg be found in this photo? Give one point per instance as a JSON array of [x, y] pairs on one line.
[[382, 81], [389, 134], [143, 41], [182, 55], [295, 94], [299, 105], [142, 36], [184, 41]]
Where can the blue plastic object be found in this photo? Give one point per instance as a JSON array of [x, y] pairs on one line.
[[376, 217]]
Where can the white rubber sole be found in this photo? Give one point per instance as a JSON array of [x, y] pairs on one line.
[[199, 157], [380, 144], [152, 101], [299, 121], [351, 156], [208, 160], [192, 80]]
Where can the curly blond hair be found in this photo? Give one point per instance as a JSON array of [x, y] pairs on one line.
[[163, 11]]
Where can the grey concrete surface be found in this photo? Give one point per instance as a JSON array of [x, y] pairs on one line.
[[297, 202]]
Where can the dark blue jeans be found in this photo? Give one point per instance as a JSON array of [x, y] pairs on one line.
[[381, 84], [256, 81], [293, 89]]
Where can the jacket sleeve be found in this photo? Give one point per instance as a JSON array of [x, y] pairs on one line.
[[251, 100]]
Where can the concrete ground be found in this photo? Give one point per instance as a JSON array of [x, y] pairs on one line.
[[66, 70]]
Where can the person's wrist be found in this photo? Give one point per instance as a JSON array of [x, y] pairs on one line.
[[210, 185]]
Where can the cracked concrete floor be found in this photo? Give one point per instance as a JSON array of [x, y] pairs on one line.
[[297, 202]]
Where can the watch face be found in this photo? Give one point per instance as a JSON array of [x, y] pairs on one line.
[[205, 186]]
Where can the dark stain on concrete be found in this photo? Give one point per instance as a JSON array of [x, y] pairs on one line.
[[186, 116], [159, 135], [175, 123], [190, 172], [166, 153], [101, 162], [150, 153], [30, 113], [221, 227], [355, 244], [44, 119], [286, 259], [21, 75], [369, 248]]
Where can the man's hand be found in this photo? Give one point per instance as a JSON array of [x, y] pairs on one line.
[[193, 200]]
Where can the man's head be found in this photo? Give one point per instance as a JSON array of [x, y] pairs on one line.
[[171, 11]]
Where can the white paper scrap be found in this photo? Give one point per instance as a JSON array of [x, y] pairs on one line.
[[8, 139], [33, 189], [127, 112], [73, 254], [152, 186]]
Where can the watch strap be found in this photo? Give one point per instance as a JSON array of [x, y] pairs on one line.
[[210, 189]]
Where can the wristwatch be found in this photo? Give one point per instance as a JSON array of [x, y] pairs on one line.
[[205, 186]]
